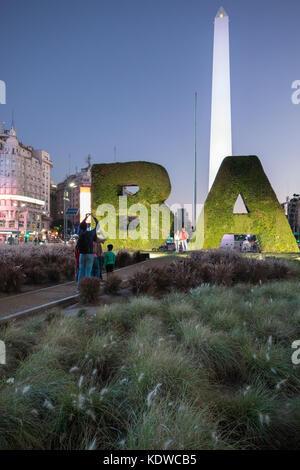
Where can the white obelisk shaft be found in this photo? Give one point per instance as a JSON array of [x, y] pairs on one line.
[[220, 133]]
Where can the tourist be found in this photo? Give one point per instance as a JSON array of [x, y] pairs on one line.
[[177, 240], [183, 239], [109, 260], [77, 254], [246, 246], [86, 248], [97, 265]]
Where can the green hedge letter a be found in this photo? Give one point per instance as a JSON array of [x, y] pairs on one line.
[[243, 180]]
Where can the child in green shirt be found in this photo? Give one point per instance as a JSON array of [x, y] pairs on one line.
[[109, 259]]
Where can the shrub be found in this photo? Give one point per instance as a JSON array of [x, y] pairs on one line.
[[82, 313], [184, 427], [246, 415], [123, 259], [53, 272], [123, 317], [89, 289], [138, 257], [142, 283], [160, 278], [204, 369], [35, 274], [112, 284], [20, 344], [68, 269], [221, 267], [12, 278], [54, 314], [37, 264]]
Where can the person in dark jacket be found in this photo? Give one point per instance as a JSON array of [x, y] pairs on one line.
[[85, 247]]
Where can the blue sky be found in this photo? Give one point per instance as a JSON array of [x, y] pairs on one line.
[[83, 77]]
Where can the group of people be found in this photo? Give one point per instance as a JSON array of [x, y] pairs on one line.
[[180, 239], [88, 252]]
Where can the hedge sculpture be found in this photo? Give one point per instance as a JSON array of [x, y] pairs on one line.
[[108, 181], [244, 175]]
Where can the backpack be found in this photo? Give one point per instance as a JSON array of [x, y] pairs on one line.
[[83, 244]]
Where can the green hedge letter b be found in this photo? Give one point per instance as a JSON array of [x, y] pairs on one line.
[[137, 192]]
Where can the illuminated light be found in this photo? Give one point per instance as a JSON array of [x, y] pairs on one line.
[[221, 15], [85, 202], [15, 197]]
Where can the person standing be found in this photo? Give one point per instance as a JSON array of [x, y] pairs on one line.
[[97, 265], [109, 260], [86, 248], [184, 238], [177, 240], [76, 254]]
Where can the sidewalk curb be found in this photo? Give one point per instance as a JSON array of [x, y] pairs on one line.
[[72, 299]]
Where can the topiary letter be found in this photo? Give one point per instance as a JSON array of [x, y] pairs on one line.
[[265, 218], [135, 214]]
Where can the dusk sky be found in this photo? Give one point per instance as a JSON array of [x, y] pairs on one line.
[[83, 77]]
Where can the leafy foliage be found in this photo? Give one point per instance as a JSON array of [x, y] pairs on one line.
[[154, 184], [266, 220], [210, 267], [89, 290], [207, 369]]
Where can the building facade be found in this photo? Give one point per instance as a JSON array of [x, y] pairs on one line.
[[71, 193], [24, 187], [291, 208]]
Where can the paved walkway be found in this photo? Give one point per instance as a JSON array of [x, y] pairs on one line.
[[37, 300]]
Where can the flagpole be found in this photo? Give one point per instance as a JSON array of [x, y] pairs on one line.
[[195, 163]]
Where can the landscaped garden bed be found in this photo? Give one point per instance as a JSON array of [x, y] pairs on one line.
[[204, 367], [31, 266]]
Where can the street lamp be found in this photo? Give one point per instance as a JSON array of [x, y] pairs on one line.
[[70, 185]]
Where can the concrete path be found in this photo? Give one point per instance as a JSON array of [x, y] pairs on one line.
[[38, 300]]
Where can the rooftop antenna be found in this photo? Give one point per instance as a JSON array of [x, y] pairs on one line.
[[88, 160], [12, 119], [195, 162]]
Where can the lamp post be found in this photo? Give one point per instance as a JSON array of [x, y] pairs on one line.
[[66, 194]]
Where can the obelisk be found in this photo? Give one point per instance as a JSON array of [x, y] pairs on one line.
[[220, 131]]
